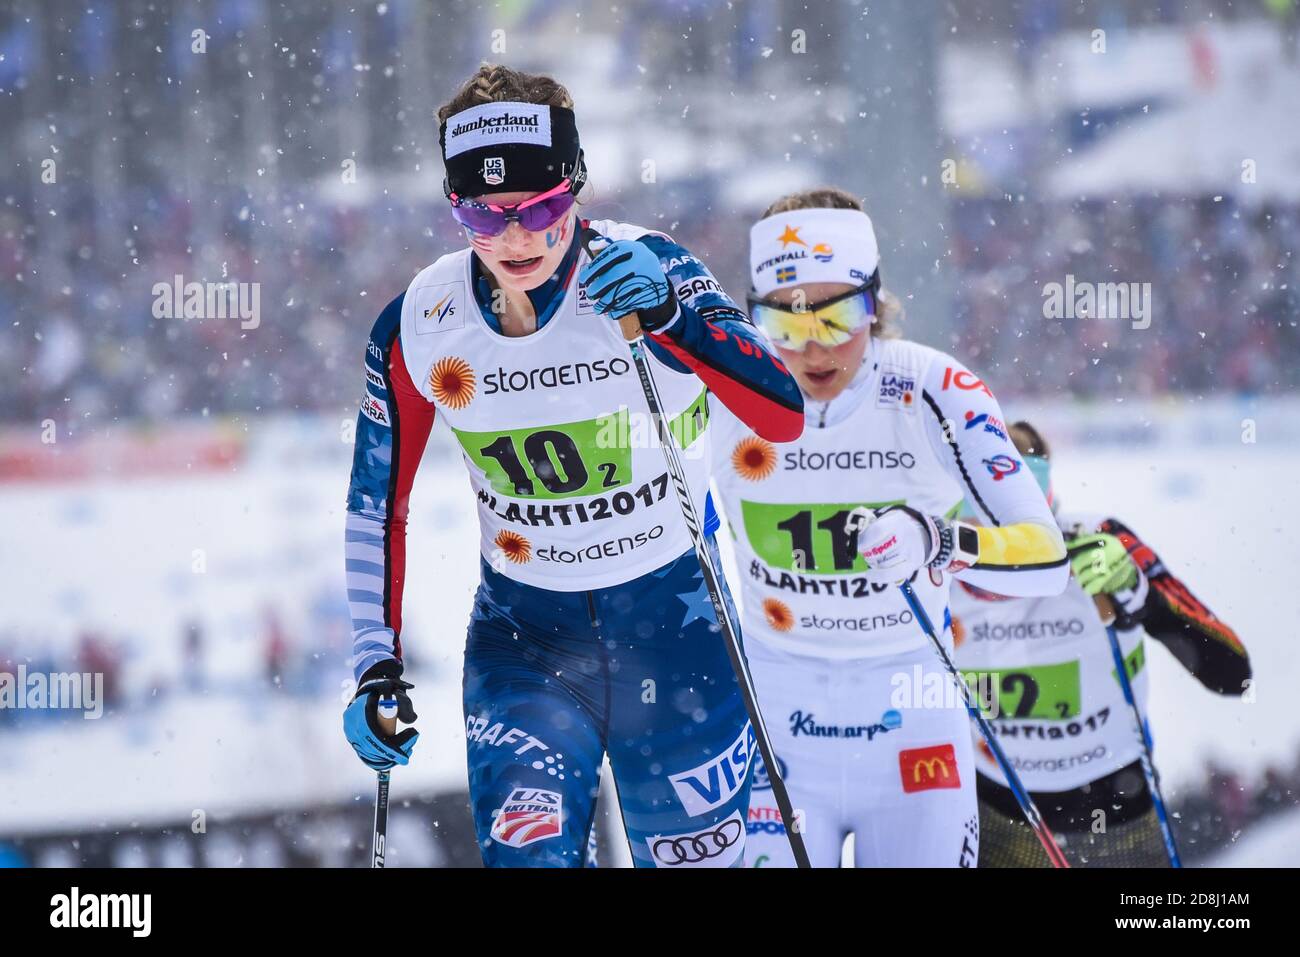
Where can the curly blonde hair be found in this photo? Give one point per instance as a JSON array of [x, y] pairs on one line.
[[832, 197]]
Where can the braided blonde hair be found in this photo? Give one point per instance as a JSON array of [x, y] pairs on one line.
[[494, 83], [832, 197]]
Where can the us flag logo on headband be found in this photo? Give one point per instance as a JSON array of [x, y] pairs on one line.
[[507, 147]]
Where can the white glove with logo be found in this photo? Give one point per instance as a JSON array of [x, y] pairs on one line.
[[897, 541]]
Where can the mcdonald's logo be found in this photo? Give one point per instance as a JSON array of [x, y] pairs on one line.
[[928, 769]]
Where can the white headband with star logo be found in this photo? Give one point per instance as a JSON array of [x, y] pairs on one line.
[[812, 245]]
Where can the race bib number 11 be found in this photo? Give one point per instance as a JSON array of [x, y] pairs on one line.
[[805, 538]]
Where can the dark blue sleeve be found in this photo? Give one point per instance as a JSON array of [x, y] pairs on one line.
[[713, 338]]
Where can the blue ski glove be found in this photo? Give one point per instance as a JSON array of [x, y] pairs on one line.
[[626, 277], [361, 718]]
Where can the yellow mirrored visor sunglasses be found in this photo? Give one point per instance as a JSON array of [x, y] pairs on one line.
[[831, 322]]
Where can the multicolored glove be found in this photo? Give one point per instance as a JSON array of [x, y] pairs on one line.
[[898, 540], [375, 747], [1102, 566], [626, 276]]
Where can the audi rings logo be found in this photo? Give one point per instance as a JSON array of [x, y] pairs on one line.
[[718, 846]]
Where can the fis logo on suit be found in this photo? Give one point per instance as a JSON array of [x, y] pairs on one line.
[[720, 845], [761, 781], [528, 815], [711, 785], [437, 308], [441, 309]]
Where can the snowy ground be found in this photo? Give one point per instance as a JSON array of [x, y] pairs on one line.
[[121, 557]]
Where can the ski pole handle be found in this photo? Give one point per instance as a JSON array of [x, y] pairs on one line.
[[1105, 608], [631, 323], [388, 715]]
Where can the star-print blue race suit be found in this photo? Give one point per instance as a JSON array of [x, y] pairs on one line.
[[592, 630]]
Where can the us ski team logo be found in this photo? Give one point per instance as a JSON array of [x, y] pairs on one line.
[[778, 614], [754, 458], [453, 382], [529, 815], [494, 170]]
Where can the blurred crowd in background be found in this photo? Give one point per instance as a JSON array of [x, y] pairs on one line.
[[1226, 291], [1226, 281], [167, 165]]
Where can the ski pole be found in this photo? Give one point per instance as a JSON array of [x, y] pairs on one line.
[[1146, 758], [388, 712], [1027, 806], [635, 337]]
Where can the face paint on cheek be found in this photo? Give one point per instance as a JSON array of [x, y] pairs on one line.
[[556, 236], [479, 241]]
